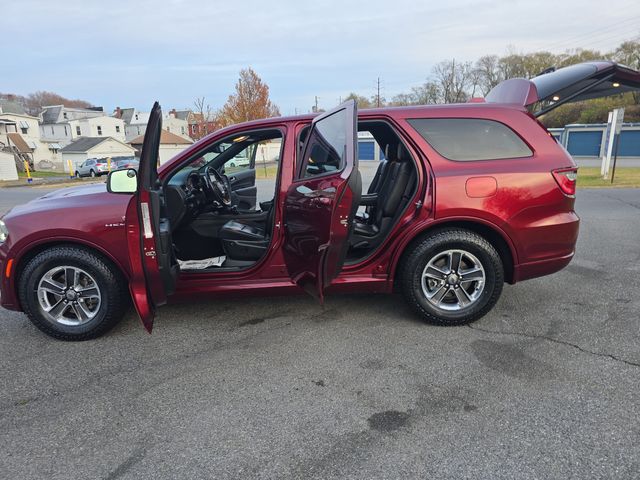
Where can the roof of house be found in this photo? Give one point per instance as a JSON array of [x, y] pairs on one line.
[[9, 106], [126, 114], [84, 144], [165, 138], [19, 142], [182, 114], [51, 114]]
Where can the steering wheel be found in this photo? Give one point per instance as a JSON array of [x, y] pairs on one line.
[[217, 186]]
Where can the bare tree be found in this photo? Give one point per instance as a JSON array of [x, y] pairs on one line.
[[35, 101], [202, 116], [361, 101], [454, 80], [487, 69], [425, 94]]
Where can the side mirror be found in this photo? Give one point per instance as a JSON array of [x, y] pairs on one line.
[[122, 181]]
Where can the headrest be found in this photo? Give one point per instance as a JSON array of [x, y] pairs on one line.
[[390, 152], [402, 153]]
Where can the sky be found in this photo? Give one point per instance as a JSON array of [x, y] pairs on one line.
[[130, 53]]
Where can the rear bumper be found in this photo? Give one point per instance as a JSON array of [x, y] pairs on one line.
[[540, 268], [548, 245]]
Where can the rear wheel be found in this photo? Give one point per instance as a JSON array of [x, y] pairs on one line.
[[452, 277], [71, 293]]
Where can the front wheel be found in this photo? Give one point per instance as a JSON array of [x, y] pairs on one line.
[[452, 277], [71, 293]]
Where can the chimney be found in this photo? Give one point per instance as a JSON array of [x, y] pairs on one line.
[[173, 113], [118, 113]]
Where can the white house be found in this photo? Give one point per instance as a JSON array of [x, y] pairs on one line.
[[136, 123], [22, 132], [94, 147], [64, 125], [170, 145]]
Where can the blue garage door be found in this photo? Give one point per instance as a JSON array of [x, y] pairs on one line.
[[584, 144], [365, 151], [629, 145]]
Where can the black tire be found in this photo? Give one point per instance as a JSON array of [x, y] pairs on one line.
[[111, 284], [77, 174], [92, 173], [410, 276]]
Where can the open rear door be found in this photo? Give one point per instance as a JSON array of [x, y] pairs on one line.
[[582, 81], [154, 269], [322, 200]]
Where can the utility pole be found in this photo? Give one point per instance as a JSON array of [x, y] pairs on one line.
[[378, 95], [315, 109]]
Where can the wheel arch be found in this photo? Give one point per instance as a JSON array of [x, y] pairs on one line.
[[35, 248], [493, 234]]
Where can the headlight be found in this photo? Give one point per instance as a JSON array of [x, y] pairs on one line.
[[4, 233]]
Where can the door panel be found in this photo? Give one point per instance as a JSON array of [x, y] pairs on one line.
[[243, 188], [154, 269], [321, 202]]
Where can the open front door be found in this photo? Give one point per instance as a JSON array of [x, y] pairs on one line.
[[322, 200], [153, 266], [582, 81]]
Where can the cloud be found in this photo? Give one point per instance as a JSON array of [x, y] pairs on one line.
[[127, 52]]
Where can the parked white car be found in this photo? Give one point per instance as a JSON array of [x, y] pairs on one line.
[[92, 167]]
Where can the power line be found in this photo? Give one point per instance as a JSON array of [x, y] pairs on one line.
[[589, 35]]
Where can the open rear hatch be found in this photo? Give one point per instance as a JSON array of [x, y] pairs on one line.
[[582, 81]]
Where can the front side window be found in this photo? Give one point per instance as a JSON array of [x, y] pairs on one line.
[[327, 147], [471, 139]]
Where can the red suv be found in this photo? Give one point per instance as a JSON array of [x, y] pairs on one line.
[[466, 197]]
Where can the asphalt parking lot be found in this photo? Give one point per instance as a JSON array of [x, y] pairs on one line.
[[545, 386]]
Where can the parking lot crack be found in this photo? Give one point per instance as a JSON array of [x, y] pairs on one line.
[[560, 342]]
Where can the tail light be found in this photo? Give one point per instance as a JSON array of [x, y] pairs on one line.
[[566, 179]]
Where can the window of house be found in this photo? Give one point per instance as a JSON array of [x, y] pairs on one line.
[[182, 130], [168, 129], [52, 130], [136, 116], [78, 131], [117, 128], [24, 130], [470, 139], [326, 150], [99, 130], [65, 131], [193, 128], [64, 114]]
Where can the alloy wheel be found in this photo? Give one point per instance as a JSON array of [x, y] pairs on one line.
[[453, 280], [69, 296]]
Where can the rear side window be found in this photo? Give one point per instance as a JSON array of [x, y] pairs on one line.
[[470, 139]]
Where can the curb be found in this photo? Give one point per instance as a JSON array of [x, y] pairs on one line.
[[43, 183]]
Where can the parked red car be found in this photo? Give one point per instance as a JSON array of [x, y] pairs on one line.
[[468, 196]]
